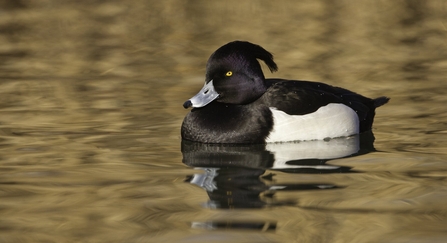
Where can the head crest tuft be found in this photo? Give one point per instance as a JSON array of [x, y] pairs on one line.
[[249, 49]]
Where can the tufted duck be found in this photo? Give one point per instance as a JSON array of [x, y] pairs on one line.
[[238, 105]]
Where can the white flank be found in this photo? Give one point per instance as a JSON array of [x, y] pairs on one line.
[[330, 121]]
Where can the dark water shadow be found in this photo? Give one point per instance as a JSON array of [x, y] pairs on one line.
[[234, 176]]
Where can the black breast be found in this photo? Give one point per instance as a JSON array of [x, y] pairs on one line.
[[223, 123]]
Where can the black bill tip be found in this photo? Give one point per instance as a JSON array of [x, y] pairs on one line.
[[187, 104]]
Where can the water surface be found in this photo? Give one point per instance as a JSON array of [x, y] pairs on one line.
[[91, 96]]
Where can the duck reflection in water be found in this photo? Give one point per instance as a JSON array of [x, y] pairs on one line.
[[234, 176]]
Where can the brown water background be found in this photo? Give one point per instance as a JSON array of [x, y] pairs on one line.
[[91, 96]]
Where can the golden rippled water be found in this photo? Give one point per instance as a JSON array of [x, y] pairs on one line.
[[91, 96]]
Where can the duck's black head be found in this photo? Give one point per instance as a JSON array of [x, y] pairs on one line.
[[234, 75]]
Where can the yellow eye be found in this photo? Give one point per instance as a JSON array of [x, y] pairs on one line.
[[229, 73]]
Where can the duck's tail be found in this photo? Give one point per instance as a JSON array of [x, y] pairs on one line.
[[381, 101]]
